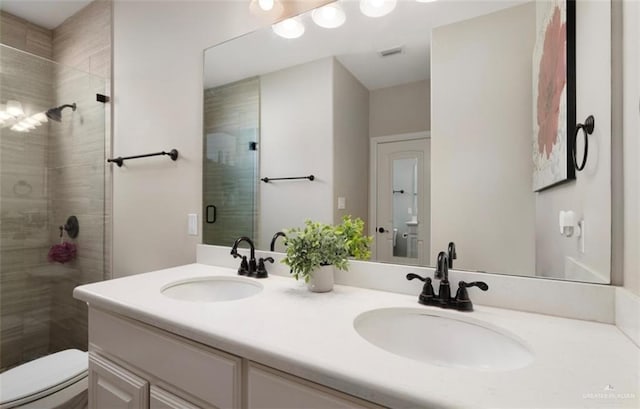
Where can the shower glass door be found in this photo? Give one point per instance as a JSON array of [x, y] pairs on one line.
[[49, 171], [230, 162]]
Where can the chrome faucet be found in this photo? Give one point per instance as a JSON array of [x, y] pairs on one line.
[[272, 247], [249, 267]]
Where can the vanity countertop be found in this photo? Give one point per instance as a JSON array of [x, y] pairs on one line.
[[311, 335]]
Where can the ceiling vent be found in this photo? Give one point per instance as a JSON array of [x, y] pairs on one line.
[[391, 51]]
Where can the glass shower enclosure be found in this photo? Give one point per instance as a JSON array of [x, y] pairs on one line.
[[230, 162], [52, 168]]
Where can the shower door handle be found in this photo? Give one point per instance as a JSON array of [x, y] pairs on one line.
[[211, 214]]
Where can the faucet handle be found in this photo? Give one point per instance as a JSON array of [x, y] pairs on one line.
[[427, 296], [463, 303], [480, 284], [261, 272], [243, 270], [411, 276]]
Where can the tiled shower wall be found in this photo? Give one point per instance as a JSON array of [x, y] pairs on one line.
[[38, 314]]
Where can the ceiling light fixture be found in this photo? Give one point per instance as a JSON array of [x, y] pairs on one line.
[[377, 8], [266, 5], [289, 28], [329, 16], [270, 8], [426, 1]]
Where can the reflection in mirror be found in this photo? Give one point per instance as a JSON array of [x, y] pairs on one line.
[[453, 81], [400, 185], [232, 119], [405, 200]]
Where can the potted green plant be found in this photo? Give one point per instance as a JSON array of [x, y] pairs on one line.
[[314, 250]]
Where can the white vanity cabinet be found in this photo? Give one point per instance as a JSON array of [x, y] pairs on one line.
[[178, 372], [136, 366]]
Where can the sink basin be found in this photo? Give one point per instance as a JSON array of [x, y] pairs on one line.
[[212, 289], [442, 339]]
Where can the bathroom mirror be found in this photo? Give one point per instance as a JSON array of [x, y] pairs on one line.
[[420, 122]]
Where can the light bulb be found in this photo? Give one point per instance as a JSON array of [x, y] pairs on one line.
[[14, 108], [377, 8], [329, 16], [271, 8], [266, 5], [289, 28]]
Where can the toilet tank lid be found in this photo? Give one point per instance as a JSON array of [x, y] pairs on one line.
[[42, 374]]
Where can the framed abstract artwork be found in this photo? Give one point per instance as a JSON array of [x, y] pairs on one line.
[[554, 93]]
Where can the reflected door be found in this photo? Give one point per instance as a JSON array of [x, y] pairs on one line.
[[403, 196], [230, 162]]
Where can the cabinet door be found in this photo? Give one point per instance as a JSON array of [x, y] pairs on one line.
[[112, 387], [268, 388], [161, 399]]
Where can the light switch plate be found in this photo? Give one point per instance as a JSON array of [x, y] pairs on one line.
[[342, 203], [192, 224]]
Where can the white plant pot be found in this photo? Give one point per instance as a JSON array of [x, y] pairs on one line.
[[321, 280]]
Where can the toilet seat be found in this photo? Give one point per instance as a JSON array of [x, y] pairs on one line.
[[42, 377]]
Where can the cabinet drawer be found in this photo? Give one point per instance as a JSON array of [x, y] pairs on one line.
[[210, 375], [268, 388]]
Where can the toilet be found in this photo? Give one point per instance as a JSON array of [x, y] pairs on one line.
[[56, 381]]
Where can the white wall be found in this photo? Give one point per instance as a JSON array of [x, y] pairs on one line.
[[296, 139], [157, 52], [631, 132], [400, 109], [590, 195], [351, 144], [481, 195]]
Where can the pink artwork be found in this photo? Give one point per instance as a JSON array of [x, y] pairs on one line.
[[550, 95]]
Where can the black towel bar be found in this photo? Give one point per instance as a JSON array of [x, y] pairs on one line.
[[267, 180], [173, 154]]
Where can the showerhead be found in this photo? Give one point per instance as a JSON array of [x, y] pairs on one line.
[[55, 114]]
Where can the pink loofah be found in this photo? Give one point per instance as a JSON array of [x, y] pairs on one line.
[[62, 253]]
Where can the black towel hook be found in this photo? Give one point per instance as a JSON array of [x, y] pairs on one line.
[[587, 129]]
